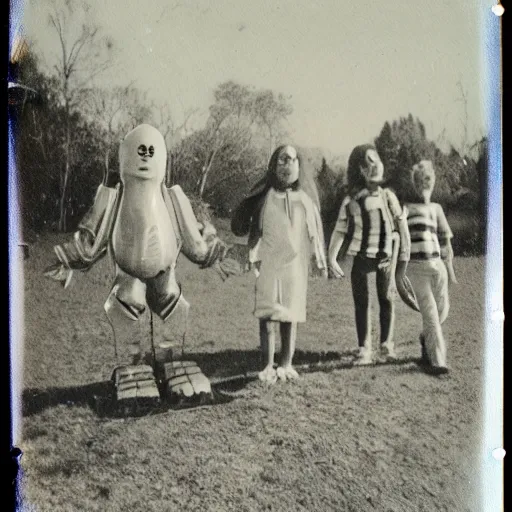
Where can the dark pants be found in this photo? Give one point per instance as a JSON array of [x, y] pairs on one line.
[[361, 267]]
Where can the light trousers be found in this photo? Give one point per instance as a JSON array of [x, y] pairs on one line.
[[430, 282]]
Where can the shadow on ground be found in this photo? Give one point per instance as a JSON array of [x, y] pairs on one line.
[[229, 371]]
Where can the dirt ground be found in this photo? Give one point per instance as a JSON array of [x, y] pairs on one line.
[[383, 438]]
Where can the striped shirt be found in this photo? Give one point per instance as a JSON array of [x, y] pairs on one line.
[[429, 230], [368, 219]]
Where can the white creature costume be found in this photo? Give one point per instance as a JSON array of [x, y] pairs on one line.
[[430, 268], [144, 226]]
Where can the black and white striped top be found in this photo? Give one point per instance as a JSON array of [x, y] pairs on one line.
[[429, 230], [368, 219]]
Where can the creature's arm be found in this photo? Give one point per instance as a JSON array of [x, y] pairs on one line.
[[89, 242], [198, 236]]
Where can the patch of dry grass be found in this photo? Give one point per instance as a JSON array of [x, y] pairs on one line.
[[386, 438]]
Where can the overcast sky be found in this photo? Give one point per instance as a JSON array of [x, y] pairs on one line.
[[347, 66]]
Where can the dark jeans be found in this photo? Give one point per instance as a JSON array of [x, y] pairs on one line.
[[361, 267]]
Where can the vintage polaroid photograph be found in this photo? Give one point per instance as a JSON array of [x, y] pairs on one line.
[[256, 255]]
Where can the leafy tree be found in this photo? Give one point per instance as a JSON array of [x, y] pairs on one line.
[[403, 143], [116, 111], [41, 146], [332, 191]]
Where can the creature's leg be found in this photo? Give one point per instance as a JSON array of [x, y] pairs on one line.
[[285, 371], [268, 347], [123, 307], [360, 293], [386, 313], [165, 299]]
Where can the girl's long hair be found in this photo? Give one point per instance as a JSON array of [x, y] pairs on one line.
[[240, 222], [355, 180]]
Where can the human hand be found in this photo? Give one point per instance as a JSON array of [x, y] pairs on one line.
[[401, 267], [335, 271], [451, 273], [234, 260], [317, 271], [228, 267], [451, 278]]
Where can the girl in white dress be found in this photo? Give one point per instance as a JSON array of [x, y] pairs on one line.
[[282, 217]]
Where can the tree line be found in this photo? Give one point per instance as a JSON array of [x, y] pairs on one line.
[[67, 143]]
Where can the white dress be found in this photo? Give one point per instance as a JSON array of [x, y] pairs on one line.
[[291, 231]]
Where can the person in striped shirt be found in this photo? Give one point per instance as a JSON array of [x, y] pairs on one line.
[[431, 266], [367, 220]]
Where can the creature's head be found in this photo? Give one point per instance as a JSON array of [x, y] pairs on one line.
[[423, 179], [364, 168], [143, 155], [284, 166]]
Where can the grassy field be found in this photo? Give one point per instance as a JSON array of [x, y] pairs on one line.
[[382, 438]]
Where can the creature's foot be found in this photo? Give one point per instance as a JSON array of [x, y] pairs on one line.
[[364, 357], [268, 375], [285, 373], [136, 390]]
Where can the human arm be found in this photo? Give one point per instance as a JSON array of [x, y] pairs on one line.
[[340, 240], [399, 215], [448, 261], [444, 234], [335, 244], [319, 245]]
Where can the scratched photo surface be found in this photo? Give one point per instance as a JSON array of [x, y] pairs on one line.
[[201, 186]]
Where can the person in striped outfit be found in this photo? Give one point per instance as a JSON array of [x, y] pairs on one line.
[[431, 267], [367, 219]]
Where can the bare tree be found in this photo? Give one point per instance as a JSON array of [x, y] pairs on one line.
[[174, 133], [464, 100], [83, 54], [232, 118], [271, 111], [116, 111]]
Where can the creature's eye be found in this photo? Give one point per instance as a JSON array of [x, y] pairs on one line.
[[142, 150], [151, 150]]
